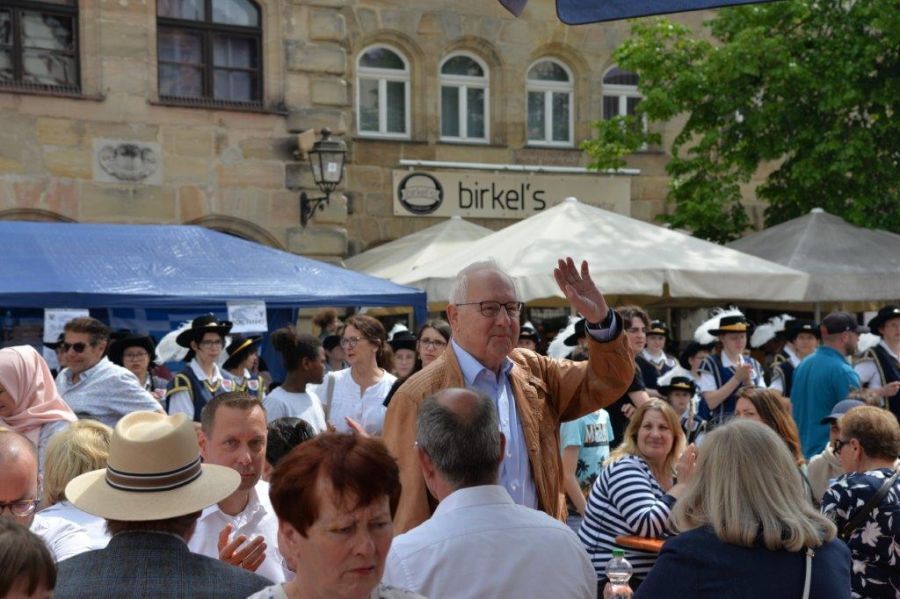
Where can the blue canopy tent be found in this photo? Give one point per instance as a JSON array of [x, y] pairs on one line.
[[161, 267]]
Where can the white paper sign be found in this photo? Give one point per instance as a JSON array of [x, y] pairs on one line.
[[248, 317], [56, 318]]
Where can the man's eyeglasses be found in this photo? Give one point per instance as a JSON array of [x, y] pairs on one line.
[[21, 508], [839, 445], [210, 343], [351, 342], [75, 347], [432, 343], [492, 309]]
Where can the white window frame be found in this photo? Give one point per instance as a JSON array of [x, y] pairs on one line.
[[622, 92], [383, 76], [548, 88], [463, 83]]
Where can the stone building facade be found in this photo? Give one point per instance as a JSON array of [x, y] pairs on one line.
[[126, 140]]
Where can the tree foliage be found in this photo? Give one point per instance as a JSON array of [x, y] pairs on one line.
[[807, 87]]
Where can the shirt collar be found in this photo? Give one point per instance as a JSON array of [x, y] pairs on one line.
[[790, 353], [87, 374], [471, 368], [198, 370], [654, 359], [474, 496], [887, 348], [726, 361], [253, 506]]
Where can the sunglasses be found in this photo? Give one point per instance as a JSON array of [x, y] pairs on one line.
[[839, 445], [76, 347]]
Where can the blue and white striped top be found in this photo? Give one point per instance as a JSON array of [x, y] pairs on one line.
[[626, 499]]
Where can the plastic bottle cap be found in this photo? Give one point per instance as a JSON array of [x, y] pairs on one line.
[[618, 553]]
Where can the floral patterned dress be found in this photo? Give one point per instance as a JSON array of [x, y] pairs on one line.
[[875, 544]]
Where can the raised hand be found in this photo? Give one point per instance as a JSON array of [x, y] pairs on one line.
[[580, 290], [238, 552]]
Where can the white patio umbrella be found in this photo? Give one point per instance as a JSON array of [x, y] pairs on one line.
[[424, 247], [844, 262], [628, 257]]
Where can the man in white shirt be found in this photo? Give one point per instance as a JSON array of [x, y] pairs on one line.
[[478, 542], [19, 483], [233, 433]]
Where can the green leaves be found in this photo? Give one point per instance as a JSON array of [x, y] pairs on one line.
[[805, 89]]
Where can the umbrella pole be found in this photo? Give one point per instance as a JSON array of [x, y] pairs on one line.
[[817, 307]]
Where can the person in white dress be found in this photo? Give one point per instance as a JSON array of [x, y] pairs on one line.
[[354, 397]]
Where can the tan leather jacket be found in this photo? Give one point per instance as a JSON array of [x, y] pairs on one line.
[[547, 392]]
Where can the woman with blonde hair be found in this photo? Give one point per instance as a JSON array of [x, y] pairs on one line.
[[745, 528], [82, 447], [638, 487]]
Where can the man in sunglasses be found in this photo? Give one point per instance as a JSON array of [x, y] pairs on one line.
[[20, 495], [93, 386], [533, 394]]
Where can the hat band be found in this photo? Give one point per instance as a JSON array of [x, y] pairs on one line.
[[681, 385], [243, 345], [740, 327], [165, 481]]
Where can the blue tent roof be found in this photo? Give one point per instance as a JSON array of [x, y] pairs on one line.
[[54, 265]]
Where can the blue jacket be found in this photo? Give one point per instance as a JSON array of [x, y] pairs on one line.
[[697, 564], [820, 381], [151, 564]]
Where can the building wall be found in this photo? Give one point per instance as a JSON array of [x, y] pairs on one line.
[[238, 171]]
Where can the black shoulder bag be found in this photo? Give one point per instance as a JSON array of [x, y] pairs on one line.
[[860, 515]]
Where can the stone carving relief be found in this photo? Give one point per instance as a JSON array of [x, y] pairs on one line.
[[126, 161]]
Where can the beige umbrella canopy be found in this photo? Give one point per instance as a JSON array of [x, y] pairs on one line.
[[628, 258], [845, 263], [424, 247]]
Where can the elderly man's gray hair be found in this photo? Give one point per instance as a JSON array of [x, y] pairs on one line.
[[463, 445], [459, 293]]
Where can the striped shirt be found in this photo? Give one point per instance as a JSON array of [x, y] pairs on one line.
[[625, 500]]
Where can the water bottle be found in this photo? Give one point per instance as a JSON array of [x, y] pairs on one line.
[[618, 571]]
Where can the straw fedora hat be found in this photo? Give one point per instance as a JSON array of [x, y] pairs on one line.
[[153, 472]]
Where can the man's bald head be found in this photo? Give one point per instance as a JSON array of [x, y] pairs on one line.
[[18, 473], [459, 430]]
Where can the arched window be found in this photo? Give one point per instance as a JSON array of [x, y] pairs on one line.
[[550, 90], [464, 99], [382, 93], [39, 44], [209, 50], [620, 93]]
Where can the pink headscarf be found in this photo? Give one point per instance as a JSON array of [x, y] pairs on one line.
[[26, 377]]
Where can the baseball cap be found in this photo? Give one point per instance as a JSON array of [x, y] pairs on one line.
[[841, 408], [840, 322]]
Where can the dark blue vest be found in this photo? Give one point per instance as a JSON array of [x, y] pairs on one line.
[[649, 372], [200, 391], [889, 370], [786, 368], [252, 385], [713, 365]]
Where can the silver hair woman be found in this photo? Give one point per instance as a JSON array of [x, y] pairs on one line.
[[745, 525]]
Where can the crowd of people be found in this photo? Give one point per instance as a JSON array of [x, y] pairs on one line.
[[458, 460]]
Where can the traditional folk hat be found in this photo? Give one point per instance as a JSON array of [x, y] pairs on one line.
[[55, 344], [769, 330], [403, 340], [578, 334], [527, 331], [153, 472], [732, 324], [117, 348], [658, 327], [799, 325], [331, 341], [677, 379], [239, 348], [208, 323], [884, 314]]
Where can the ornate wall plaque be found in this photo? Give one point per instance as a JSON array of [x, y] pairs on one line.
[[120, 161]]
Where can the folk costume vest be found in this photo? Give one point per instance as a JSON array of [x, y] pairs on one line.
[[651, 371], [783, 364], [201, 392], [889, 369], [722, 374], [252, 385]]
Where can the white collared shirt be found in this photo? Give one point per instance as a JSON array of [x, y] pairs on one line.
[[257, 519], [707, 380], [346, 401], [181, 402], [479, 543], [64, 513], [660, 360], [64, 538]]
